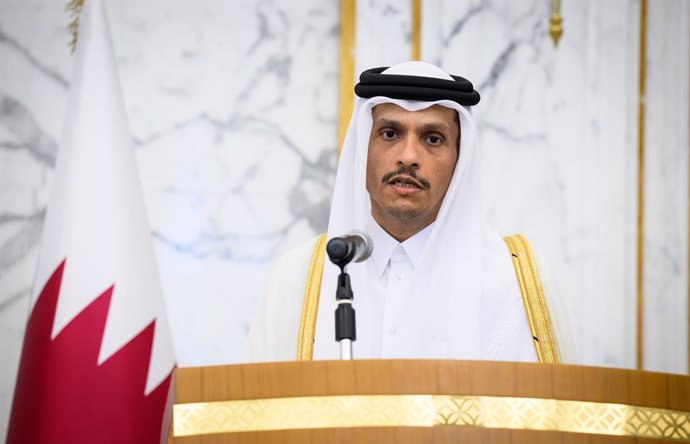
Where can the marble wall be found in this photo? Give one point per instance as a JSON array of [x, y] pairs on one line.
[[233, 109], [558, 133], [666, 189]]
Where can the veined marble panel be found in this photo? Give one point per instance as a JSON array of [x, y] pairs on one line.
[[383, 33], [234, 113], [666, 208], [558, 147], [33, 91]]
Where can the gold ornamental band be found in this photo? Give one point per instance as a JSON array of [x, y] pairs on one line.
[[321, 412]]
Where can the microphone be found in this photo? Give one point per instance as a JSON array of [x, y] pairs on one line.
[[353, 246]]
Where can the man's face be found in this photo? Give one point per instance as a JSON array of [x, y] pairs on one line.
[[412, 156]]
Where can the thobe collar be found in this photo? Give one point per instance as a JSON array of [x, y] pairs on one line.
[[385, 245]]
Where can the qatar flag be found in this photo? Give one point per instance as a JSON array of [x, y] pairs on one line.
[[97, 358]]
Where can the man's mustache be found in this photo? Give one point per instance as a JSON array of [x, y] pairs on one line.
[[409, 171]]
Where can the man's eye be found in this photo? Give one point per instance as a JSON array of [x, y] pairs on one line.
[[388, 134], [434, 140]]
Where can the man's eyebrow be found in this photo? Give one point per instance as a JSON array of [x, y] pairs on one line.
[[435, 126], [431, 126], [388, 122]]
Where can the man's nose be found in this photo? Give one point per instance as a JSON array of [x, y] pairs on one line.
[[409, 152]]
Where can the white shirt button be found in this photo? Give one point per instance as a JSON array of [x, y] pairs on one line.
[[400, 276], [392, 330]]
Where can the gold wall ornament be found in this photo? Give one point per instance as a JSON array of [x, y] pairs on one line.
[[642, 84], [556, 22], [348, 17], [319, 412], [416, 47], [74, 7]]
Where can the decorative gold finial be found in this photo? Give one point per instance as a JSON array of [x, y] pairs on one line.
[[556, 22], [74, 7]]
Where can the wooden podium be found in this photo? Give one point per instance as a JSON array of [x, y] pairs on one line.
[[420, 401]]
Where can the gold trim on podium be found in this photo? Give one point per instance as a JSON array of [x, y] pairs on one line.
[[320, 412]]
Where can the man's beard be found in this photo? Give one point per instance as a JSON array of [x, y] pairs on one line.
[[404, 215]]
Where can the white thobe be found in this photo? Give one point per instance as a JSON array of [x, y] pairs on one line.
[[390, 271]]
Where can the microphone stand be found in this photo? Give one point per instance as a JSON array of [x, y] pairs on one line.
[[345, 330]]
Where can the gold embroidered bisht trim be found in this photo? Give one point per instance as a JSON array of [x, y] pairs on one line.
[[533, 298], [528, 280], [310, 304]]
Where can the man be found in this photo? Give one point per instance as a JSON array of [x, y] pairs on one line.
[[439, 284]]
